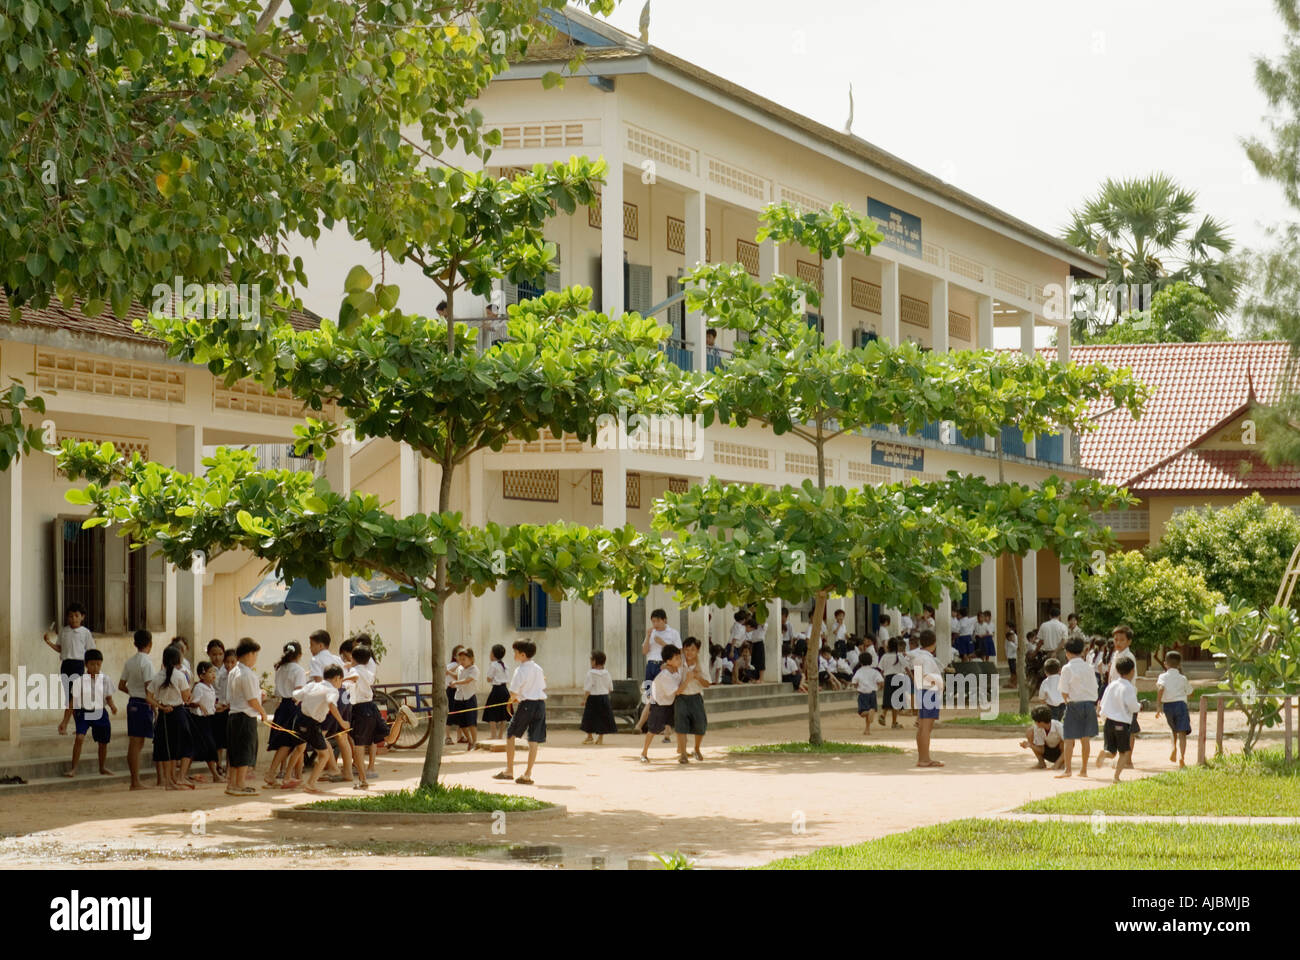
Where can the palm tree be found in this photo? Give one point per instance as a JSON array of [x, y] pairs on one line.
[[1144, 228]]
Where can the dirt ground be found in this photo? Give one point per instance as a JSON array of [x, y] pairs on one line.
[[729, 811]]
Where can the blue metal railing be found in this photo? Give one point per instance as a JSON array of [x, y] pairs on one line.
[[680, 355], [1050, 447], [1013, 441]]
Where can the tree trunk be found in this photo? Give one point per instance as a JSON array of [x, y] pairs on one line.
[[810, 664], [437, 653]]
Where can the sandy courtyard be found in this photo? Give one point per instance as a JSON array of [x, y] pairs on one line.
[[729, 811]]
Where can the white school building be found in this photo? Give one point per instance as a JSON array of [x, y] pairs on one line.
[[693, 160]]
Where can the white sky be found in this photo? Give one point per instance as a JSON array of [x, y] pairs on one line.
[[1012, 100]]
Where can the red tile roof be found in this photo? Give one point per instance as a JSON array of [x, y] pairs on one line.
[[56, 316], [1195, 387], [1218, 471]]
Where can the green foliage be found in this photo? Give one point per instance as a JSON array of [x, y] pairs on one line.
[[16, 438], [1261, 784], [439, 799], [1180, 313], [1143, 227], [1001, 720], [1155, 598], [377, 645], [1007, 845], [156, 139], [1242, 549], [675, 861], [803, 747], [1261, 656]]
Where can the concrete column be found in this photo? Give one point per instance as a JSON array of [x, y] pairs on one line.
[[988, 599], [943, 627], [696, 244], [14, 560], [611, 216], [413, 651], [984, 323], [769, 261], [1067, 591], [338, 593], [889, 302], [699, 623], [772, 641], [939, 315], [614, 607], [189, 583], [1027, 348], [1029, 591], [833, 302]]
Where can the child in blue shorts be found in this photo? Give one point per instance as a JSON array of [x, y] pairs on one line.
[[1172, 691], [928, 679], [91, 692]]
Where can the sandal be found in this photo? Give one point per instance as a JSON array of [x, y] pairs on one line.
[[335, 778], [361, 785], [502, 776], [525, 781]]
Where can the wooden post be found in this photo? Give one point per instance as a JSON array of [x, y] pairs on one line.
[[1205, 722], [1286, 713], [1218, 730]]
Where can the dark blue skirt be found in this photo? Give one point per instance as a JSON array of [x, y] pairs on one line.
[[286, 715]]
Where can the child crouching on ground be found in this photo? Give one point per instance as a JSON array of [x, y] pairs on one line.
[[1046, 738]]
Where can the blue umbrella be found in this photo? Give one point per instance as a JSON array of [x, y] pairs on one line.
[[270, 598]]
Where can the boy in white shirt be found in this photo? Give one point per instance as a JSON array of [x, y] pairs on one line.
[[1078, 688], [1009, 644], [868, 681], [689, 718], [1122, 637], [528, 694], [657, 637], [245, 692], [1119, 704], [1045, 738], [318, 699], [134, 682], [929, 692], [1172, 691], [663, 692], [91, 692], [72, 643], [1050, 689]]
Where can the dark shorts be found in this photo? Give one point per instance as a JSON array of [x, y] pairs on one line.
[[464, 713], [139, 718], [1115, 737], [652, 668], [1058, 711], [1178, 717], [220, 724], [368, 724], [309, 731], [660, 718], [529, 720], [1011, 665], [688, 714], [1052, 754], [928, 704], [866, 702], [100, 728], [241, 737], [69, 669], [1080, 721]]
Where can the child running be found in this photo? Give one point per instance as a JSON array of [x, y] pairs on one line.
[[1119, 705], [597, 714], [868, 681], [1172, 691], [317, 699]]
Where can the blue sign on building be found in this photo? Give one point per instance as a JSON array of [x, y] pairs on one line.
[[886, 454], [902, 230]]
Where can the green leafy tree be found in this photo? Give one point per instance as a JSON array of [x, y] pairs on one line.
[[162, 138], [1241, 550], [1156, 598], [16, 437], [752, 543], [1144, 228], [1180, 313], [1260, 651]]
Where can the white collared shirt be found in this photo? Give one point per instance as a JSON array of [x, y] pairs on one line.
[[1078, 681], [203, 699], [496, 672], [363, 675], [320, 661], [73, 644], [663, 691], [169, 694], [465, 691], [1176, 687], [316, 697], [289, 678], [1051, 634], [598, 682], [931, 674], [1114, 663], [1120, 701], [1051, 691], [529, 682], [1051, 737], [137, 672], [91, 693], [660, 639], [242, 686], [867, 679]]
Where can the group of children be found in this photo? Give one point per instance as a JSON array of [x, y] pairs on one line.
[[1076, 694]]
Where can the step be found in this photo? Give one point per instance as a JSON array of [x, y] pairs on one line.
[[87, 779]]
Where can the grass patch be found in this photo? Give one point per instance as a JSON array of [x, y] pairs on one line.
[[1261, 785], [1006, 845], [1001, 720], [440, 799], [802, 746]]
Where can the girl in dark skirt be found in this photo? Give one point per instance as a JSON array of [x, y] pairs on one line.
[[495, 713], [203, 701], [289, 676], [167, 693], [464, 708], [597, 714]]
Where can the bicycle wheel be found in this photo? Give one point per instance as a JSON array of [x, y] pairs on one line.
[[413, 734]]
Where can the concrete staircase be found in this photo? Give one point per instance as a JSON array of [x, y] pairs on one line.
[[41, 756], [735, 705]]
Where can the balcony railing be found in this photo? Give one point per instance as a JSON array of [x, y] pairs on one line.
[[680, 353]]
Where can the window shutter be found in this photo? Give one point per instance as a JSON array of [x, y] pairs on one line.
[[640, 298], [56, 536], [677, 312], [552, 612], [553, 281], [517, 606], [509, 293], [116, 585], [156, 594]]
